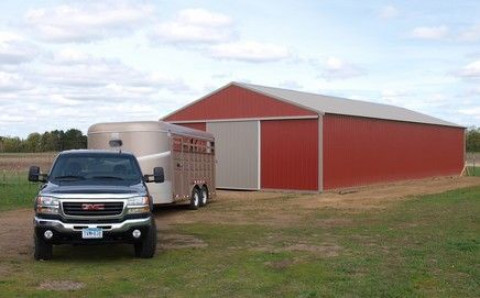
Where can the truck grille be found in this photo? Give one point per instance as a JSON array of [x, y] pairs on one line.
[[92, 208]]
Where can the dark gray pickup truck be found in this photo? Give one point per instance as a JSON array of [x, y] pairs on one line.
[[94, 197]]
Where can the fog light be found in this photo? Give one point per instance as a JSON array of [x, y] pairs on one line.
[[48, 234], [136, 234]]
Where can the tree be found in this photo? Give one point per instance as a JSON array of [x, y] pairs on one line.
[[473, 139], [56, 140], [47, 144], [33, 142], [13, 144], [74, 139]]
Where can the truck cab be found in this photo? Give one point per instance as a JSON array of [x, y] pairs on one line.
[[94, 197]]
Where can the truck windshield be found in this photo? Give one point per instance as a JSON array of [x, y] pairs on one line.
[[98, 166]]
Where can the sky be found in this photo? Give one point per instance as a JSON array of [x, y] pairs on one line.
[[70, 64]]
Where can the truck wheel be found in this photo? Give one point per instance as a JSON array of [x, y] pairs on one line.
[[146, 248], [42, 249], [195, 199], [203, 196]]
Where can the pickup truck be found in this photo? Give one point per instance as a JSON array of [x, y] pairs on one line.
[[94, 197]]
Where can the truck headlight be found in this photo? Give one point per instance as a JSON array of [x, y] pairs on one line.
[[47, 205], [138, 205]]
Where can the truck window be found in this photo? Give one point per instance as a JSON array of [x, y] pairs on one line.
[[73, 167]]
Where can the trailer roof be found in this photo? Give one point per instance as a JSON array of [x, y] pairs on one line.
[[335, 105], [138, 126]]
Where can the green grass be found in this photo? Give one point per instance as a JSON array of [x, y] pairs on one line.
[[473, 171], [422, 247], [16, 191]]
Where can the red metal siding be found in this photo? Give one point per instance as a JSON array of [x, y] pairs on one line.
[[235, 102], [362, 151], [289, 154], [195, 125]]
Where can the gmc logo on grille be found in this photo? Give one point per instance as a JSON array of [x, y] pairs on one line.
[[93, 206]]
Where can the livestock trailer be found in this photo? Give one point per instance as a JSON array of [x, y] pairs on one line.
[[186, 155]]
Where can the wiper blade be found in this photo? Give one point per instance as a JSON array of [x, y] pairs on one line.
[[69, 177], [108, 177]]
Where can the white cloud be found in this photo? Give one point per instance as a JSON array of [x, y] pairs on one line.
[[389, 12], [394, 96], [336, 68], [472, 111], [195, 26], [70, 68], [471, 34], [434, 32], [250, 51], [291, 84], [86, 21], [12, 82], [203, 17], [14, 49], [470, 70], [70, 56]]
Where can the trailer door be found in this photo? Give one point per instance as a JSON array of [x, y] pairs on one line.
[[237, 145]]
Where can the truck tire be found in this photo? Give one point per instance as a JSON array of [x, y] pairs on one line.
[[42, 249], [146, 248], [195, 199], [203, 196]]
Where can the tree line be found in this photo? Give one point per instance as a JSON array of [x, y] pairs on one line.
[[49, 141], [473, 139]]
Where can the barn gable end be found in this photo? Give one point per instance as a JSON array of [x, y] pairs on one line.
[[233, 102]]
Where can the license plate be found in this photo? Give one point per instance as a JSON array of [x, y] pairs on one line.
[[92, 233]]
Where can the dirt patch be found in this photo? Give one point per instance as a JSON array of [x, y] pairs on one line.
[[326, 250], [179, 241], [61, 285], [280, 265], [16, 232], [378, 196], [4, 270], [276, 208]]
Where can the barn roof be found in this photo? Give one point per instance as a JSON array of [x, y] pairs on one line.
[[341, 106]]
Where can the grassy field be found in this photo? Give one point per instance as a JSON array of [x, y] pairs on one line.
[[16, 191], [473, 171], [426, 246]]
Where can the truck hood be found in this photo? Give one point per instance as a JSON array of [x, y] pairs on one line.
[[64, 191]]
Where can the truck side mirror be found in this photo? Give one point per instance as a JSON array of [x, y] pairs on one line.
[[158, 175], [33, 174]]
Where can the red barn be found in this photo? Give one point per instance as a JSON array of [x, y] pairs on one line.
[[271, 138]]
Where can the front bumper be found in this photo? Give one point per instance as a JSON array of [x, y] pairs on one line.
[[72, 232]]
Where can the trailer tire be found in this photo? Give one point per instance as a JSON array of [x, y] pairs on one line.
[[195, 199], [145, 249], [204, 196], [42, 249]]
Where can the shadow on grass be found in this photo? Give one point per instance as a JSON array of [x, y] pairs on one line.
[[92, 253]]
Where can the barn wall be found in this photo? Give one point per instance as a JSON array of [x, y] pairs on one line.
[[289, 154], [362, 151], [195, 125], [235, 102]]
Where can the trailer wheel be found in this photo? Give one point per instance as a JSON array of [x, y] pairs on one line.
[[42, 249], [195, 199], [146, 248], [203, 196]]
